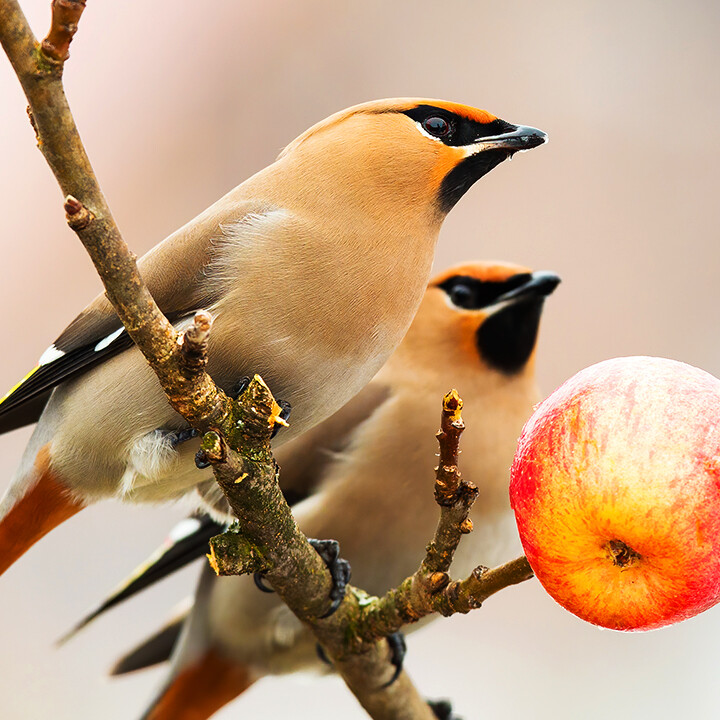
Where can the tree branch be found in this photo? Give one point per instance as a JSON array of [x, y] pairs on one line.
[[247, 476], [252, 546]]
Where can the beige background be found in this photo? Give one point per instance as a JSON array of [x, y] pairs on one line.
[[178, 102]]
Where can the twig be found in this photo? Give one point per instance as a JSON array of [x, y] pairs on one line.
[[430, 590], [454, 495]]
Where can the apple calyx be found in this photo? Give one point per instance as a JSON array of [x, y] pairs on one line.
[[621, 554]]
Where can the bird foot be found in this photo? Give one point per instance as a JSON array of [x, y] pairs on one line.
[[329, 551], [398, 650], [181, 436]]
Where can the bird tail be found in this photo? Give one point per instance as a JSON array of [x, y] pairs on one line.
[[155, 649], [32, 508], [201, 689], [187, 542]]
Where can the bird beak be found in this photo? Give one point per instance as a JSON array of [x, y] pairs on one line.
[[540, 284], [517, 140], [538, 287]]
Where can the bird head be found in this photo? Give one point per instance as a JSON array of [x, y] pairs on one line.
[[423, 154], [483, 314]]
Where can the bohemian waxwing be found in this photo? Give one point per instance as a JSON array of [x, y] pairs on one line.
[[313, 269], [369, 473]]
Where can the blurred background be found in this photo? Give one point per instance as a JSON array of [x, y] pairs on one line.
[[177, 105]]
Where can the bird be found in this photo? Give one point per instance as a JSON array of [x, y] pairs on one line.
[[313, 269], [368, 478]]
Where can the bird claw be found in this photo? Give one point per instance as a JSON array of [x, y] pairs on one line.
[[398, 650], [284, 414], [201, 460], [259, 580], [182, 436], [240, 387], [442, 709], [329, 551], [320, 650]]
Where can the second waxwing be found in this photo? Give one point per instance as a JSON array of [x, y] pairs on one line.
[[368, 472], [313, 268]]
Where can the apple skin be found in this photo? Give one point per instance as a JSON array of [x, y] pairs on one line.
[[616, 491]]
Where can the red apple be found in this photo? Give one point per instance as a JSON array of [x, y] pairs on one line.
[[616, 491]]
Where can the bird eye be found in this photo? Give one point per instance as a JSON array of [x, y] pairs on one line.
[[436, 126], [461, 295]]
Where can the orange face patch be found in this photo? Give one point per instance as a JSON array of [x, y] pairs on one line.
[[486, 271], [471, 113]]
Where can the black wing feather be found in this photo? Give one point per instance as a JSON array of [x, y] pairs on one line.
[[24, 404], [154, 650], [17, 408], [167, 559]]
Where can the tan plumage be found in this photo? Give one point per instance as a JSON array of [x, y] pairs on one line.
[[371, 469], [313, 267]]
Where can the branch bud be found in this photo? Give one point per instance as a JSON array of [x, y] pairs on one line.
[[76, 214]]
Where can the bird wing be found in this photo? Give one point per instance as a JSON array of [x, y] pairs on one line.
[[304, 461], [179, 274]]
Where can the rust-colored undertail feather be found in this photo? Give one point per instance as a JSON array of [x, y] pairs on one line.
[[201, 690], [44, 506]]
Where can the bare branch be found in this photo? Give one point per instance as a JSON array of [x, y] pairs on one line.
[[430, 590], [454, 495]]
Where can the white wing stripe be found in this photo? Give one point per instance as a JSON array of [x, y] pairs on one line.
[[50, 355], [110, 338]]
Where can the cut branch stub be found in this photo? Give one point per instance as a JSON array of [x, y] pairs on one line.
[[232, 553], [194, 343], [483, 582], [65, 18], [454, 495], [253, 418]]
